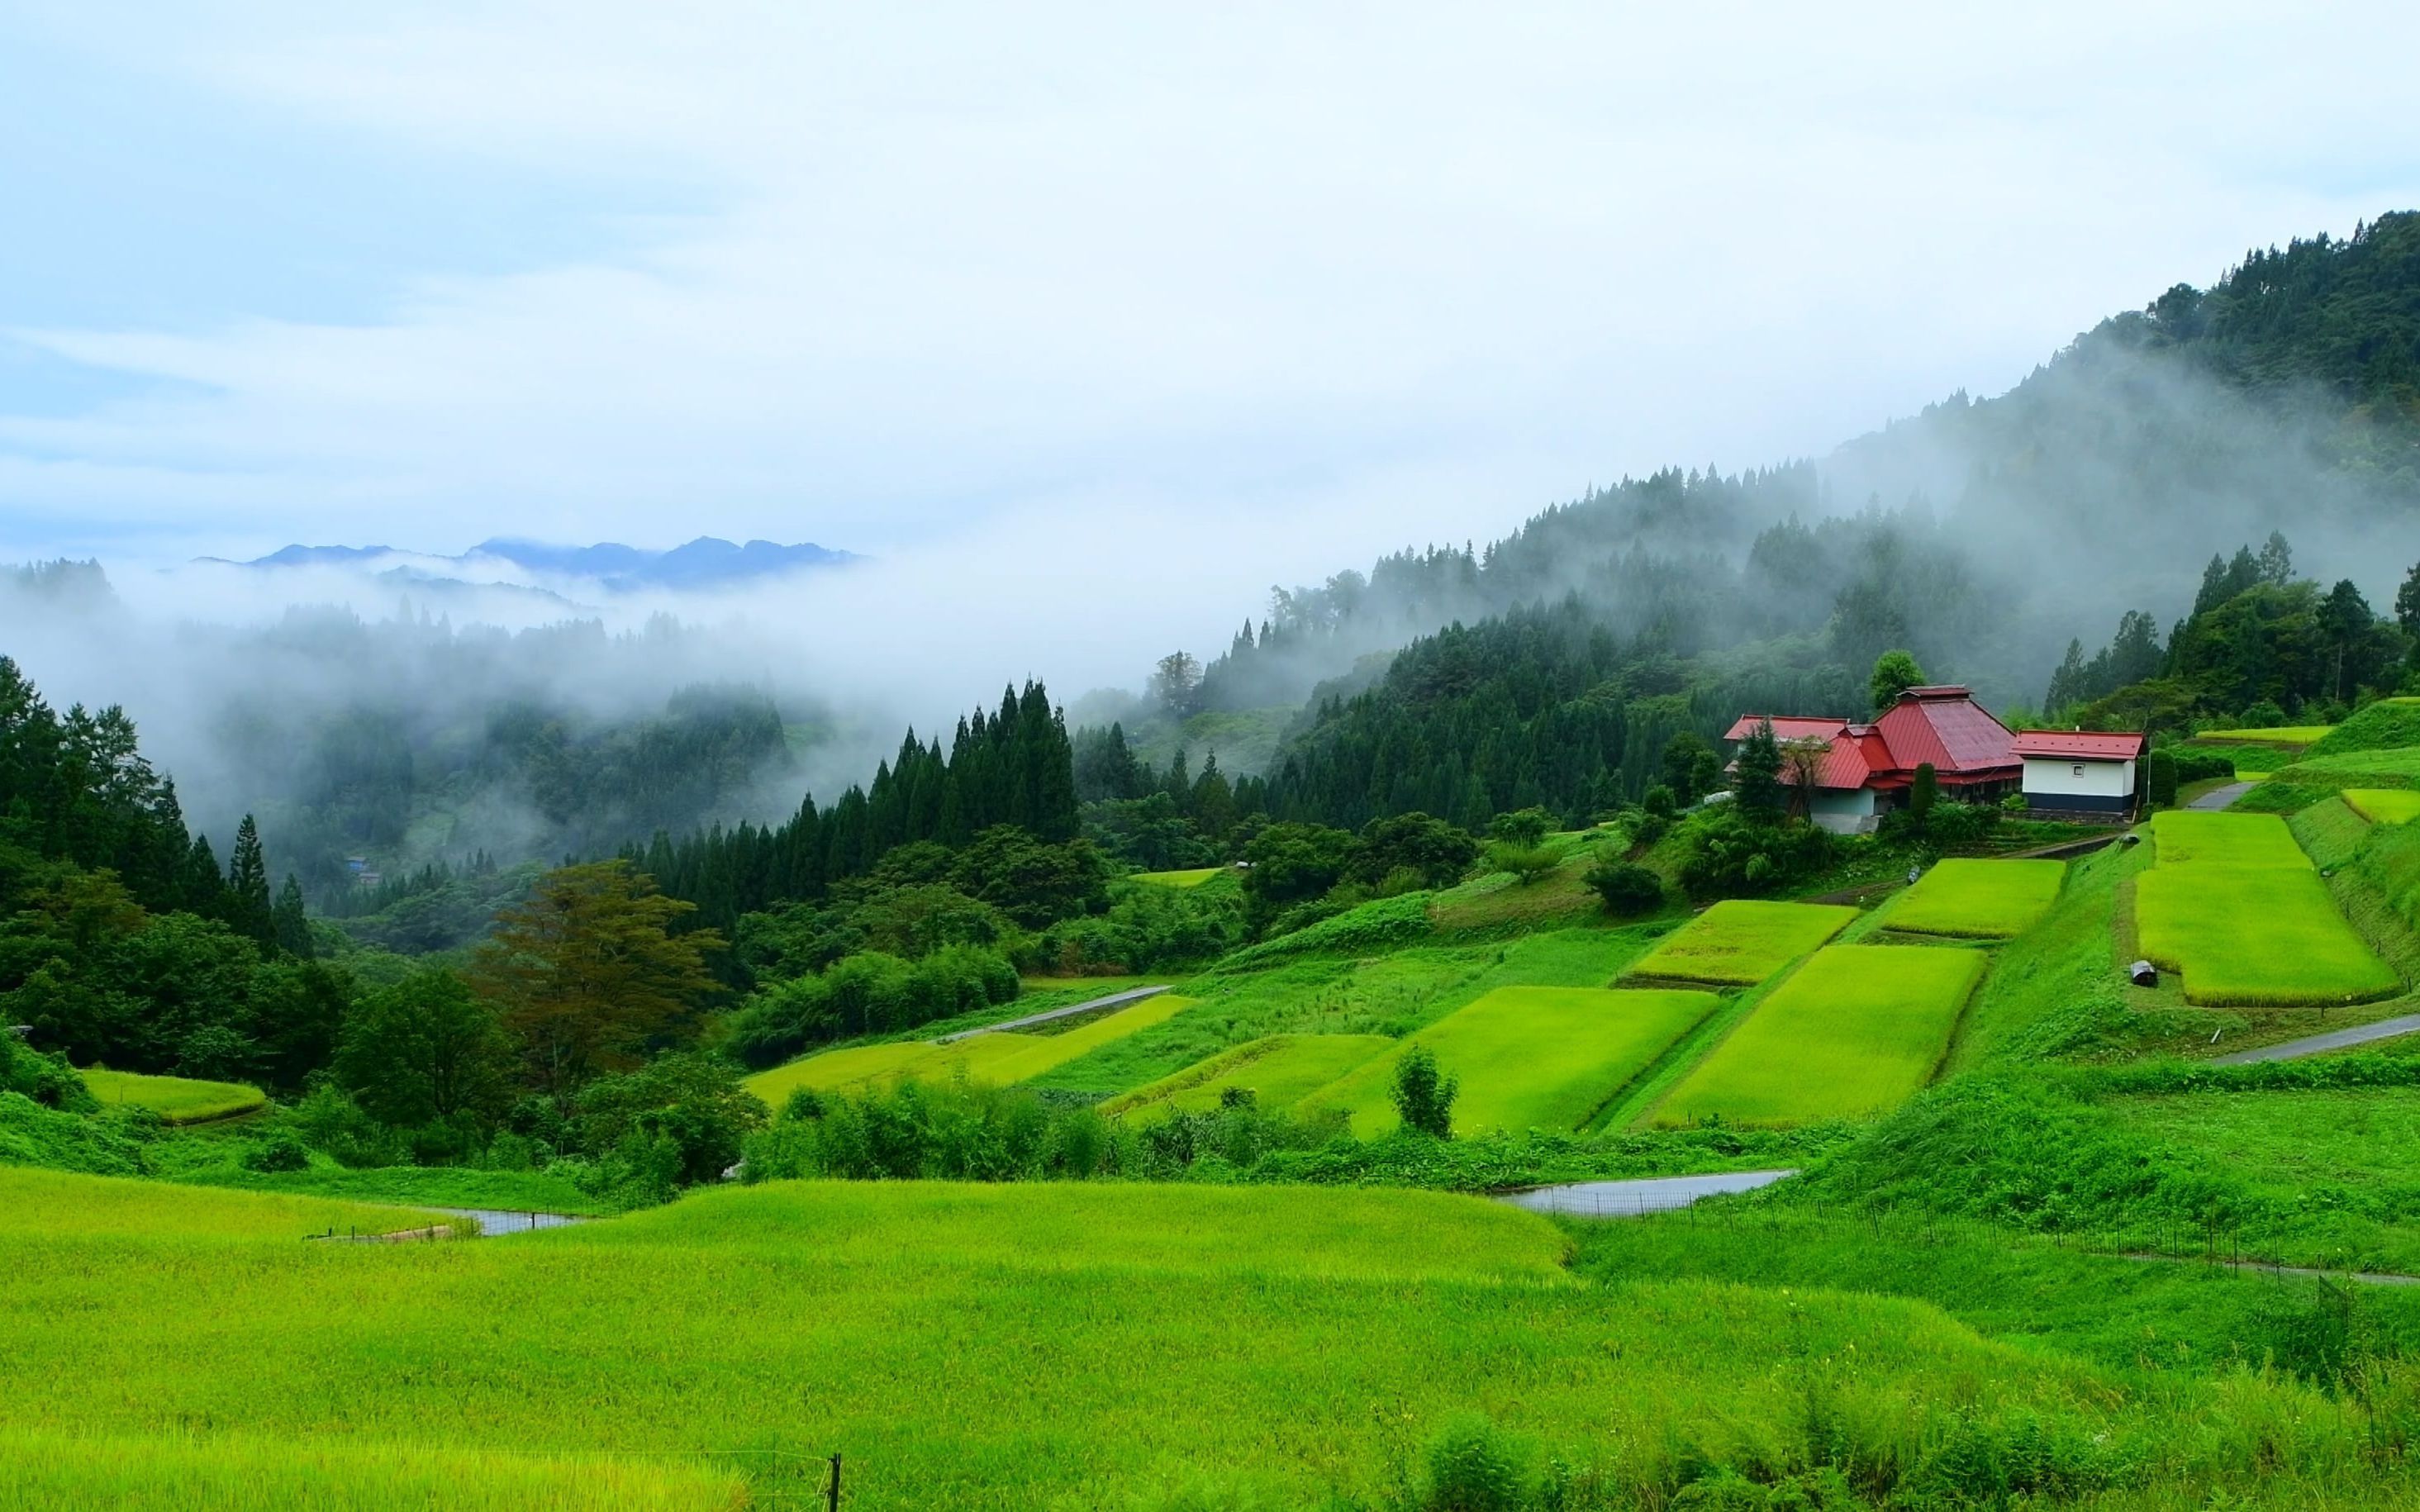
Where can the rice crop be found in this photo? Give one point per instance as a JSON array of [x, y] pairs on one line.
[[1191, 877], [2399, 763], [2188, 836], [1036, 1345], [2281, 735], [198, 1473], [36, 1204], [1988, 900], [2384, 805], [2236, 906], [178, 1100], [1278, 1069], [1000, 1057], [1528, 1057], [2248, 936], [1851, 1035], [1741, 942]]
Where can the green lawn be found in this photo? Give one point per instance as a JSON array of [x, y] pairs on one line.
[[2245, 937], [1193, 878], [1273, 1348], [1528, 1057], [1851, 1035], [1990, 899], [1741, 942], [176, 1099], [1000, 1057], [1279, 1070], [2384, 805], [2248, 840]]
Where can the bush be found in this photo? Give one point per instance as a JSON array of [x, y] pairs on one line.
[[1522, 828], [1725, 854], [2160, 778], [2200, 766], [869, 992], [1660, 802], [47, 1079], [278, 1152], [1474, 1466], [1627, 890], [1424, 1097], [1525, 863]]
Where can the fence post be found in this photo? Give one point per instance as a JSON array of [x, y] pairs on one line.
[[831, 1491]]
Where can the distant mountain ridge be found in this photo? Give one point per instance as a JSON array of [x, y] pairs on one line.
[[706, 562]]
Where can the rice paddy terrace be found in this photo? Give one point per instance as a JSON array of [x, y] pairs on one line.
[[1951, 1307]]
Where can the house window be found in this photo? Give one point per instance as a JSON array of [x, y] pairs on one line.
[[2079, 769]]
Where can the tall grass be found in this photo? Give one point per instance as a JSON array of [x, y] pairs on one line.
[[1741, 942], [176, 1099]]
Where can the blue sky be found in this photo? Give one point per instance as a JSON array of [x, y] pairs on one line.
[[1339, 277]]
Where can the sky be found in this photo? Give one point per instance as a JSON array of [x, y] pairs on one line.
[[1232, 294]]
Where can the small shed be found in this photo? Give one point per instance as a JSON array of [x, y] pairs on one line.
[[2082, 774]]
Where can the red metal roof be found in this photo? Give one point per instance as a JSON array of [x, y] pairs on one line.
[[1786, 727], [1945, 727], [2101, 745], [1939, 724]]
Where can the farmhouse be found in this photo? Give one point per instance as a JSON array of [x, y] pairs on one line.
[[1869, 767], [2082, 774]]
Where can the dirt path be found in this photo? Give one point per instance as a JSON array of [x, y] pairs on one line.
[[2294, 1049]]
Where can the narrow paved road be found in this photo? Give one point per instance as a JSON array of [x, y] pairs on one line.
[[2220, 797], [2294, 1049], [1629, 1199], [1115, 1000]]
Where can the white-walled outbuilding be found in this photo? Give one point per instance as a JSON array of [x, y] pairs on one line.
[[2082, 774]]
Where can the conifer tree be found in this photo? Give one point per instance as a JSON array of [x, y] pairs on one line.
[[249, 912], [290, 925]]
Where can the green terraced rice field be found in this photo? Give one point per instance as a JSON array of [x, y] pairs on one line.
[[1279, 1069], [2235, 905], [1988, 900], [1193, 878], [2282, 735], [2187, 838], [2384, 805], [1528, 1057], [2399, 761], [2251, 937], [1741, 942], [176, 1099], [1856, 1032], [1002, 1057]]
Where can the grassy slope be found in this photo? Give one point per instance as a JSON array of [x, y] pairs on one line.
[[944, 1338], [1855, 1032], [1004, 1057], [1529, 1057]]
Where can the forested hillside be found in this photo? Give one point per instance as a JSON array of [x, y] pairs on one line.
[[399, 744]]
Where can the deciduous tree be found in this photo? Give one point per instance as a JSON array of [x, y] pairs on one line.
[[589, 971]]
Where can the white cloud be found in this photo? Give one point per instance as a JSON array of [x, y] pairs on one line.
[[974, 265]]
